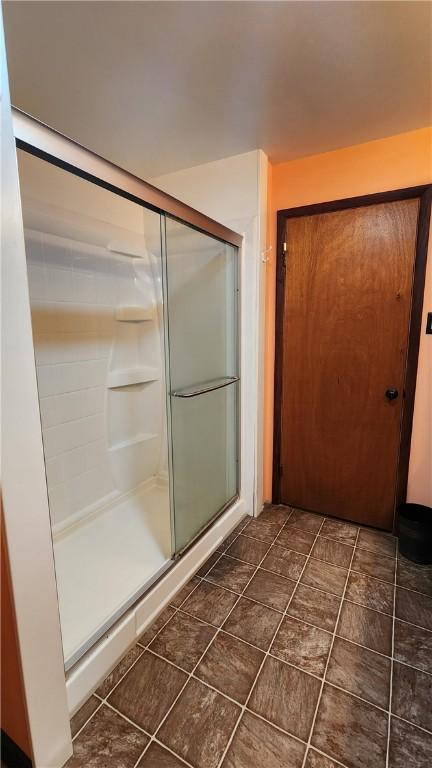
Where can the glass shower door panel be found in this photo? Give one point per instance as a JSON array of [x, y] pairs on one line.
[[94, 272], [201, 280], [204, 432]]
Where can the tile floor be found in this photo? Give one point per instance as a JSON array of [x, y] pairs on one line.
[[303, 643]]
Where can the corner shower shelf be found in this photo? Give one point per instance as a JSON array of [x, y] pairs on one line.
[[125, 377], [134, 314], [144, 437]]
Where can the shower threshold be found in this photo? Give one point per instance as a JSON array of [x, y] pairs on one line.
[[104, 564]]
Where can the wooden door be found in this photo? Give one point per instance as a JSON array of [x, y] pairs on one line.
[[346, 314]]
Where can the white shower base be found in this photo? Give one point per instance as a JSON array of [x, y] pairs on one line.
[[106, 558]]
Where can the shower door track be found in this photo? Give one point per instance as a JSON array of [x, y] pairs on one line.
[[39, 139], [209, 523], [82, 650]]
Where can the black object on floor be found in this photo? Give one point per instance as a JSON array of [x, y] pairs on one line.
[[415, 532], [11, 754]]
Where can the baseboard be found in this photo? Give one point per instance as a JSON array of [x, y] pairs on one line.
[[12, 755]]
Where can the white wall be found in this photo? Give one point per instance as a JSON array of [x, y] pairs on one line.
[[233, 191], [25, 504]]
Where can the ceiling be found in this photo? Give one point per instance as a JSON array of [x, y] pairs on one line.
[[160, 86]]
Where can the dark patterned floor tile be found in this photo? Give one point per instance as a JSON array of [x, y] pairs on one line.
[[278, 513], [284, 562], [147, 691], [210, 603], [329, 578], [343, 532], [247, 549], [107, 739], [413, 645], [409, 747], [253, 622], [231, 666], [231, 574], [414, 607], [271, 589], [314, 606], [378, 566], [263, 529], [159, 757], [360, 671], [332, 552], [349, 730], [413, 576], [378, 542], [257, 743], [240, 525], [154, 628], [209, 563], [184, 592], [412, 695], [286, 697], [233, 535], [83, 714], [296, 539], [366, 627], [317, 760], [183, 640], [199, 725], [112, 679], [307, 521], [370, 592], [303, 645]]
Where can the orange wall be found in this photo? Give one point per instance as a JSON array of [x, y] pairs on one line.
[[377, 166]]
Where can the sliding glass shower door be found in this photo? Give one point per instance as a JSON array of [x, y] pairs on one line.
[[202, 297]]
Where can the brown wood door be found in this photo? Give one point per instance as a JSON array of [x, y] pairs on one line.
[[347, 301]]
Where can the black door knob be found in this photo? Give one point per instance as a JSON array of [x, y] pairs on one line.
[[391, 394]]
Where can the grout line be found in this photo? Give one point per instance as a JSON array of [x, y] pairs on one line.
[[410, 722], [411, 666], [268, 650], [330, 759], [168, 749], [329, 655], [333, 565], [273, 725], [391, 667], [357, 696], [182, 610], [369, 607], [368, 575], [125, 717], [244, 707], [190, 674], [89, 718], [219, 690], [144, 647], [411, 624]]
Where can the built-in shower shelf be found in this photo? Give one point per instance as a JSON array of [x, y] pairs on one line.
[[144, 437], [134, 314], [125, 377]]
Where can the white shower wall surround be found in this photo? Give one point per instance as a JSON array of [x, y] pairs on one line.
[[97, 329]]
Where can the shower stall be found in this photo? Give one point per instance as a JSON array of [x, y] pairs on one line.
[[135, 305]]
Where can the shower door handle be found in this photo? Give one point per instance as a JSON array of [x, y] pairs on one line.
[[212, 385]]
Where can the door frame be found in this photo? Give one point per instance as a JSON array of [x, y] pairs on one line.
[[424, 194]]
